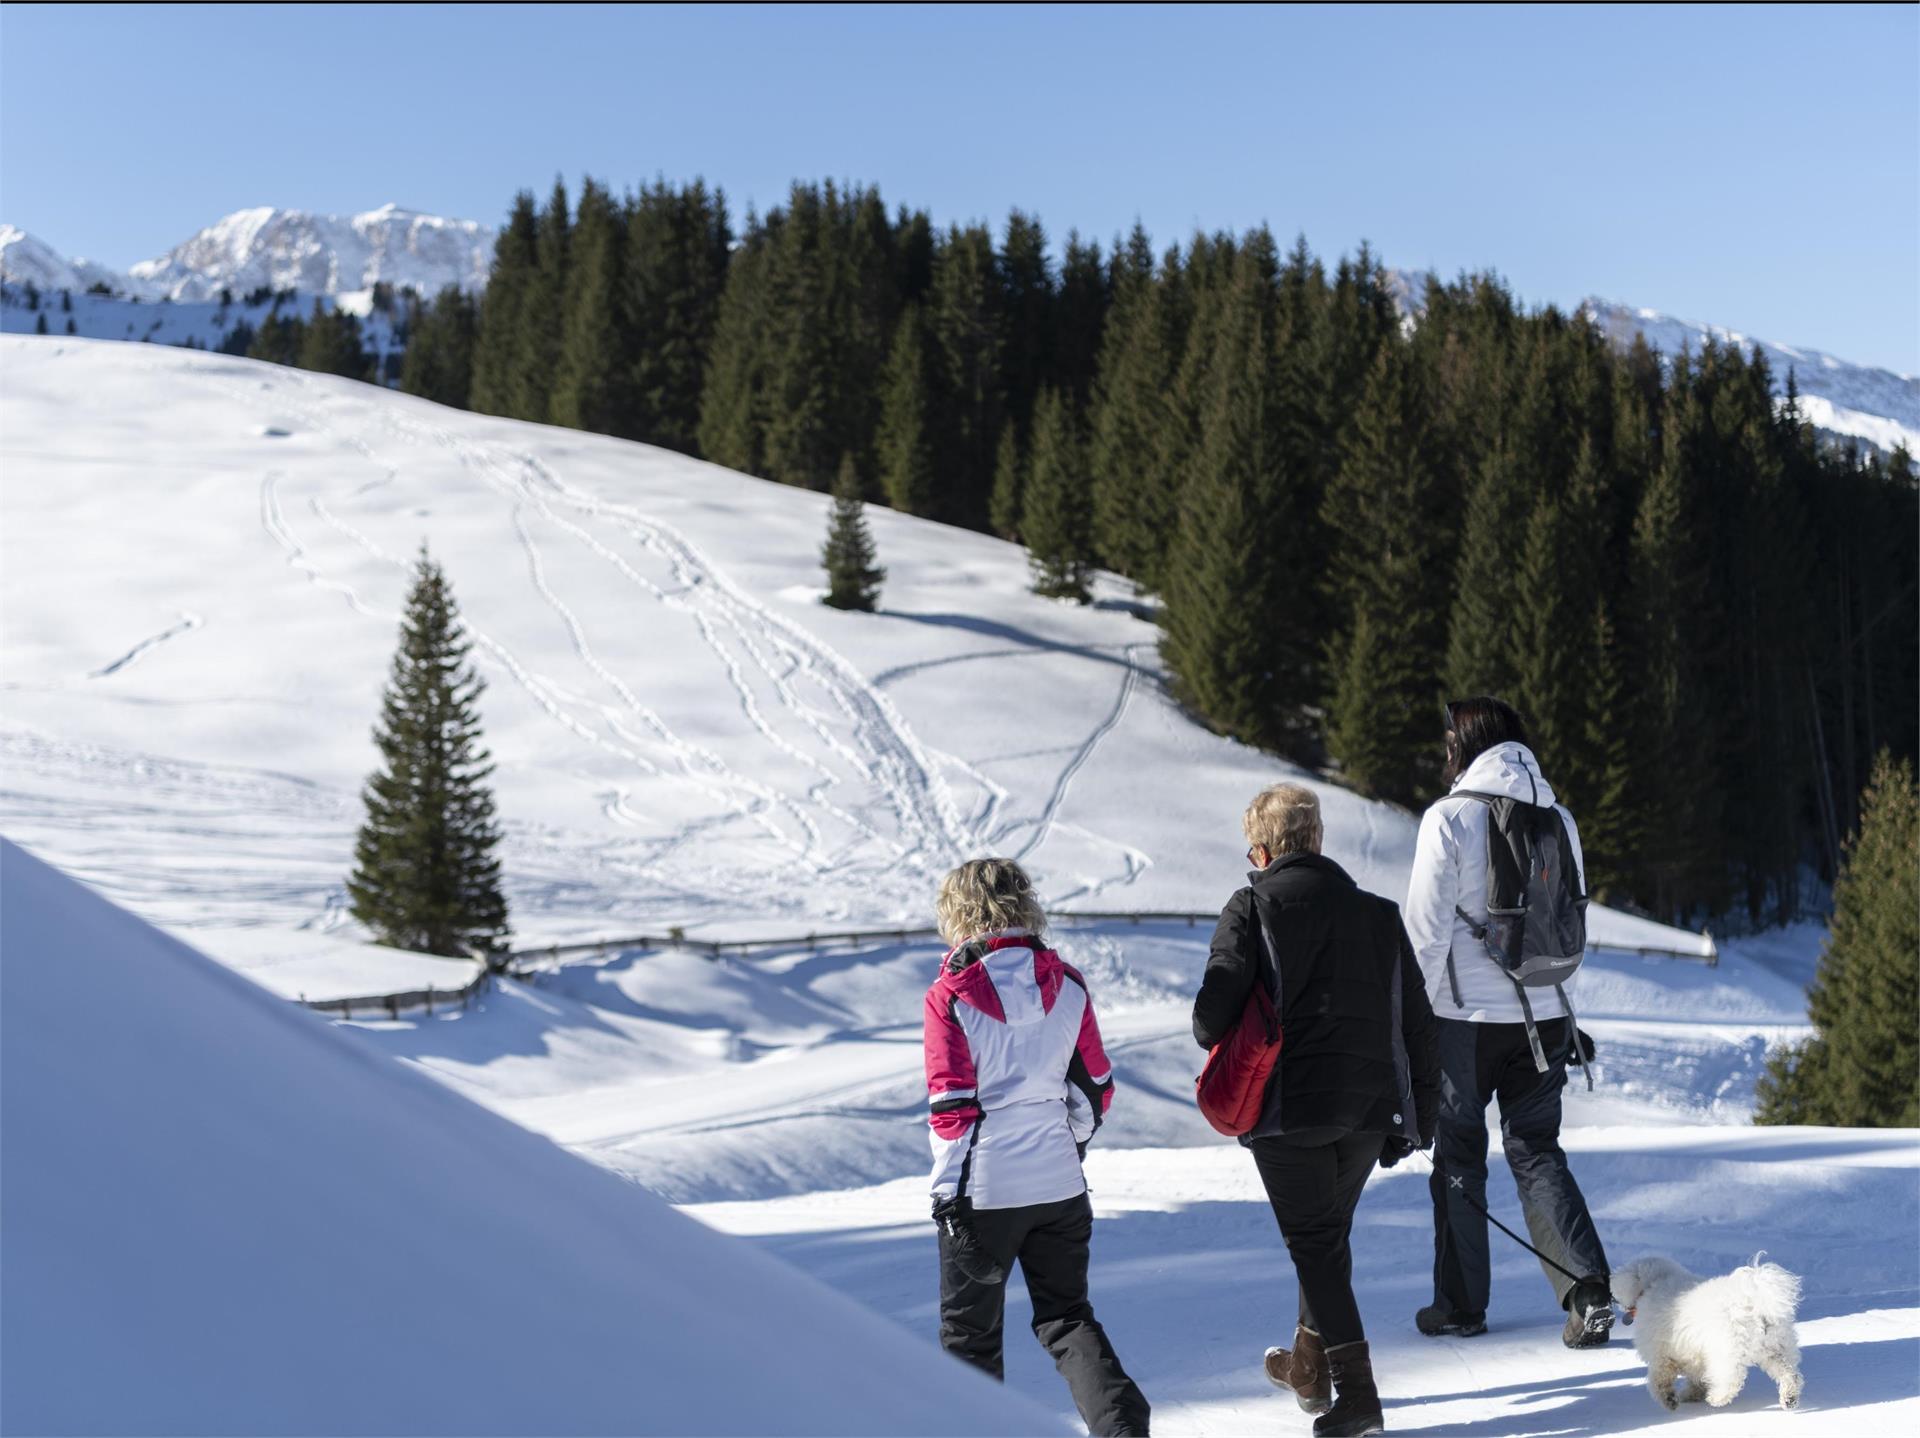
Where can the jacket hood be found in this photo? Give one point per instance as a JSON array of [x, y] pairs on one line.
[[1316, 864], [1509, 770]]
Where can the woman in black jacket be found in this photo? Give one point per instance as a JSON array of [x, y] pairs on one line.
[[1356, 1083]]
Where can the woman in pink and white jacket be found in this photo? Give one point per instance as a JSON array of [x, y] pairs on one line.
[[1017, 1082]]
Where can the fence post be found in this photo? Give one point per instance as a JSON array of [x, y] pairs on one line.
[[393, 1006]]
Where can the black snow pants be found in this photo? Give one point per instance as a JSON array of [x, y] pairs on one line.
[[1050, 1240], [1480, 1062], [1314, 1189]]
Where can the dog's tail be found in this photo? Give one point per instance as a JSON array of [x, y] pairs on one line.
[[1772, 1290]]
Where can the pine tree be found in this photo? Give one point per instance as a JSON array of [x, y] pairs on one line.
[[1609, 815], [440, 347], [675, 272], [1861, 1069], [1079, 321], [905, 441], [70, 328], [1555, 660], [1386, 585], [1136, 514], [40, 324], [1483, 639], [1056, 517], [589, 390], [425, 877], [733, 395], [853, 580], [278, 340], [496, 347], [1222, 580], [1009, 485], [331, 345], [536, 349], [1026, 308], [964, 325]]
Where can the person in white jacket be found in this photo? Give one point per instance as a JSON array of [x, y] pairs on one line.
[[1484, 1050]]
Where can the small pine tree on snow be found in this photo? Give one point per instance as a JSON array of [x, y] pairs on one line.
[[1861, 1068], [70, 328], [1009, 485], [853, 580], [66, 302], [905, 440], [425, 877], [1056, 517], [40, 325]]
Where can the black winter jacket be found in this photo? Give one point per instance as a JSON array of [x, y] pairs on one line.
[[1357, 1045]]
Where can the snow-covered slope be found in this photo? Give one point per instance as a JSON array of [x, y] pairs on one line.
[[1859, 401], [207, 324], [204, 563], [224, 1217], [323, 254]]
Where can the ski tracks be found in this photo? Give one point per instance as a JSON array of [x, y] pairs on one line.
[[187, 622]]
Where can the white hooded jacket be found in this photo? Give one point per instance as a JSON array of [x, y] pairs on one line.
[[1450, 868]]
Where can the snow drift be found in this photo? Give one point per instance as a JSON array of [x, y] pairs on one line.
[[223, 1216]]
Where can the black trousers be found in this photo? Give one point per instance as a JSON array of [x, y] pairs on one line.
[[1478, 1063], [1050, 1241], [1314, 1188]]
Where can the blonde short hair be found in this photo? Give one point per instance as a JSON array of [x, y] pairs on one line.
[[985, 895], [1286, 819]]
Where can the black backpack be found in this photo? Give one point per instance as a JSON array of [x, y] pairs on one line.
[[1536, 928]]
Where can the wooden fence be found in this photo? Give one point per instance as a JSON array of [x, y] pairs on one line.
[[393, 1005], [531, 960]]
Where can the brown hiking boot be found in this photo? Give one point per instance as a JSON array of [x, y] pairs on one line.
[[1356, 1406], [1303, 1370]]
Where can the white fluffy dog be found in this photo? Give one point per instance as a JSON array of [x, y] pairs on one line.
[[1711, 1330]]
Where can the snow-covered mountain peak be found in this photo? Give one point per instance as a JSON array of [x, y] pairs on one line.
[[323, 254]]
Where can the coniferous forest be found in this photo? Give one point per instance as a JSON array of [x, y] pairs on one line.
[[1706, 612]]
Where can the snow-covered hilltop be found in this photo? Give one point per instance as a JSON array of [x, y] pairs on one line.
[[337, 255]]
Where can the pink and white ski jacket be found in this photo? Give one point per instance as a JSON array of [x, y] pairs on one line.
[[1016, 1075]]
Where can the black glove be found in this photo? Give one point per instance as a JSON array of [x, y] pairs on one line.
[[960, 1245], [1393, 1149], [1581, 1050], [1081, 1148]]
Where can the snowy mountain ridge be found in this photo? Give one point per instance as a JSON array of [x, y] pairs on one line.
[[336, 255]]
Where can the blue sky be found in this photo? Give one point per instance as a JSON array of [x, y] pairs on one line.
[[1755, 167]]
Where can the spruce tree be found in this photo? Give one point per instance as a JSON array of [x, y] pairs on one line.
[[965, 327], [440, 348], [1223, 588], [536, 346], [589, 389], [1056, 518], [1609, 813], [853, 580], [1861, 1069], [733, 395], [1555, 660], [496, 346], [1026, 308], [40, 324], [1387, 589], [425, 877], [678, 244], [1483, 638], [331, 344], [905, 441], [1009, 485]]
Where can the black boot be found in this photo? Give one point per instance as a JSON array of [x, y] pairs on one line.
[[1356, 1404], [1302, 1369], [1437, 1319], [1589, 1314]]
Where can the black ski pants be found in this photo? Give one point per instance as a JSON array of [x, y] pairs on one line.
[[1050, 1240], [1314, 1189], [1478, 1063]]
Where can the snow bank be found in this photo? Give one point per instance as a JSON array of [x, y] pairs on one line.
[[224, 1217]]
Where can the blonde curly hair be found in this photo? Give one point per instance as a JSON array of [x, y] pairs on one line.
[[1286, 819], [983, 896]]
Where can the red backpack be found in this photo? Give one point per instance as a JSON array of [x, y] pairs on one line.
[[1232, 1087]]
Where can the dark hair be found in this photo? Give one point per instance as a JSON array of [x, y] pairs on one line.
[[1477, 725]]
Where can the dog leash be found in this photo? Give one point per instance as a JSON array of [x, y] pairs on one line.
[[1459, 1186]]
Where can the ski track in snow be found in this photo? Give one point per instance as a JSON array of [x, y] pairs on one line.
[[188, 622]]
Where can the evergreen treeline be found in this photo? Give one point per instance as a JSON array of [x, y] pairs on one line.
[[1861, 1068], [1707, 614]]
